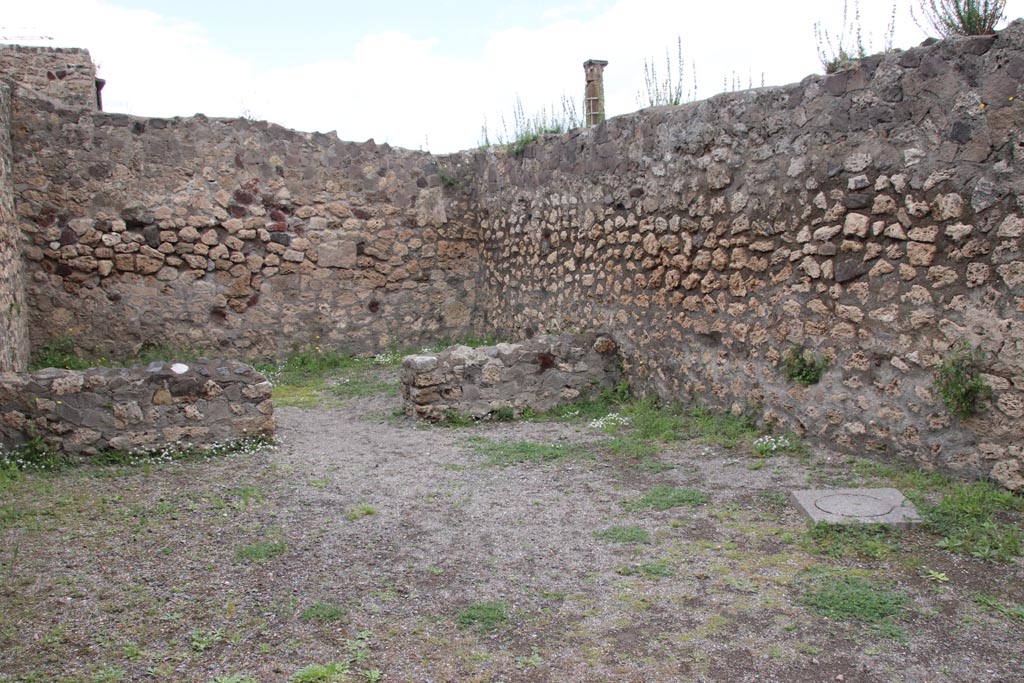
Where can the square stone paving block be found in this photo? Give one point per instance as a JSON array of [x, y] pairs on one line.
[[856, 506]]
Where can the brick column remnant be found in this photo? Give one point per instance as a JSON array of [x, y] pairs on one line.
[[593, 96]]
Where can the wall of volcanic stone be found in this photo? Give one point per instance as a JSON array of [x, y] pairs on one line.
[[873, 217], [233, 234], [13, 311], [63, 76]]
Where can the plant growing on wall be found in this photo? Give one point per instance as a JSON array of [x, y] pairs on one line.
[[959, 381], [526, 129], [835, 56], [803, 366], [668, 89], [961, 17]]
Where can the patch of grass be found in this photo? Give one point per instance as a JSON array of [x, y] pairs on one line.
[[61, 352], [657, 569], [720, 429], [34, 454], [504, 453], [623, 534], [323, 612], [855, 598], [876, 541], [360, 511], [803, 365], [484, 616], [993, 603], [472, 341], [593, 407], [233, 678], [958, 379], [359, 385], [666, 498], [651, 421], [202, 641], [977, 519], [335, 672], [261, 551], [304, 378], [913, 481], [454, 420]]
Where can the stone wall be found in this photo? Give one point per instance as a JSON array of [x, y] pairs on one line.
[[62, 76], [536, 375], [81, 412], [873, 216], [233, 234], [13, 311]]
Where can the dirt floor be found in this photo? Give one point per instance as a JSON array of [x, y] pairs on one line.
[[366, 543]]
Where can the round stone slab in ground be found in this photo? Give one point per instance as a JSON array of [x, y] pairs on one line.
[[855, 506]]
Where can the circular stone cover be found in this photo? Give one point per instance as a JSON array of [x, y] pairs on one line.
[[853, 505]]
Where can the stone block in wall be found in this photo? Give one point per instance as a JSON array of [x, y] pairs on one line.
[[537, 375], [342, 254], [82, 412]]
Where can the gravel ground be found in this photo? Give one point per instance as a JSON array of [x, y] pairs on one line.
[[202, 571]]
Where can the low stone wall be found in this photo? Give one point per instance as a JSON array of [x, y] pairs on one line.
[[82, 412], [538, 375]]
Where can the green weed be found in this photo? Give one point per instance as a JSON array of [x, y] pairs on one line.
[[656, 569], [803, 366], [504, 454], [61, 352], [304, 378], [527, 129], [996, 605], [958, 379], [666, 498], [720, 429], [484, 616], [323, 612], [623, 534], [335, 672], [842, 596], [970, 519], [851, 540], [961, 17], [202, 641], [260, 552], [455, 420], [233, 678], [360, 511]]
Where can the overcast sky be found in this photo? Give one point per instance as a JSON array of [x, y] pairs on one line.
[[428, 74]]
